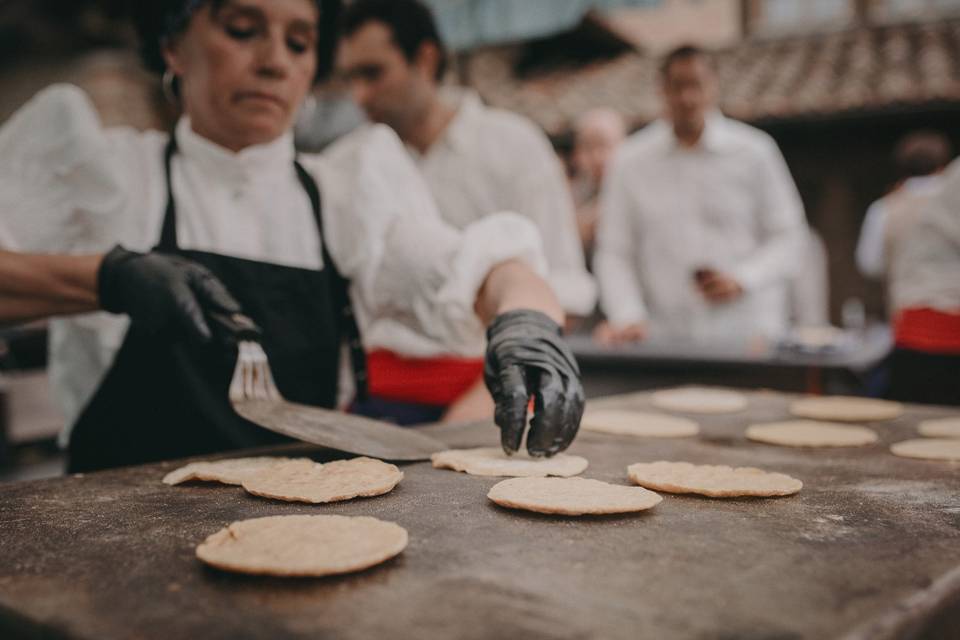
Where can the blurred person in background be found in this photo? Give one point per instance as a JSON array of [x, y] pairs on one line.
[[701, 225], [597, 134], [920, 158], [925, 295], [161, 240], [477, 161]]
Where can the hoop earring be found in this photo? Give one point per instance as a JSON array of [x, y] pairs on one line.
[[170, 88]]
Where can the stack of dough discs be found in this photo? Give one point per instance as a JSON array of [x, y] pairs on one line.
[[571, 496], [846, 409], [303, 545], [233, 471], [315, 483], [494, 462], [942, 428], [929, 449], [636, 423], [810, 433], [699, 400], [710, 480]]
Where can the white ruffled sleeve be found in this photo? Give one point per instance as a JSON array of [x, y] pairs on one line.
[[62, 176], [414, 278]]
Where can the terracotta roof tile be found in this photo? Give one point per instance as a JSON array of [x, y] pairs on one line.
[[857, 71]]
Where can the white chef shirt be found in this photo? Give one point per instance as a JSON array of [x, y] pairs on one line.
[[727, 204], [871, 247], [926, 267], [490, 160], [68, 185]]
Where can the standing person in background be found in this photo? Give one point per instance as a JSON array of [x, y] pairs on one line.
[[925, 295], [477, 161], [920, 159], [598, 134], [701, 224]]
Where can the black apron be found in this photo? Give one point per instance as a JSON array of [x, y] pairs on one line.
[[167, 397]]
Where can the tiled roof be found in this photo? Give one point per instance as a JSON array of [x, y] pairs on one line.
[[858, 71]]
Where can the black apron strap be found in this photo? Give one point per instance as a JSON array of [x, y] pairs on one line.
[[168, 232], [168, 244], [358, 357]]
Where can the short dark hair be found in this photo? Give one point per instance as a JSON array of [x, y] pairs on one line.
[[922, 153], [158, 20], [411, 22], [683, 52]]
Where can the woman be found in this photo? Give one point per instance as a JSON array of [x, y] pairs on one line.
[[220, 216]]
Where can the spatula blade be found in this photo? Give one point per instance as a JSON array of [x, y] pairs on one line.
[[340, 431]]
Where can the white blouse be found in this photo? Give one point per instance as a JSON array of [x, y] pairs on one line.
[[68, 185], [494, 160]]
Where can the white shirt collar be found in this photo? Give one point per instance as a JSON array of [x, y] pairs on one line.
[[923, 185], [462, 127], [715, 137], [252, 163]]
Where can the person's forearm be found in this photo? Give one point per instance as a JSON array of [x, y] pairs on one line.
[[513, 285], [39, 286]]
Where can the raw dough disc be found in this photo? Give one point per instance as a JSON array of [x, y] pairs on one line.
[[929, 449], [710, 480], [303, 545], [636, 423], [942, 428], [571, 496], [308, 481], [810, 433], [699, 400], [846, 409], [232, 471], [494, 462]]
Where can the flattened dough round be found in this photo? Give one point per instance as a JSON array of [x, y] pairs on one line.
[[315, 483], [846, 409], [303, 545], [929, 449], [489, 461], [637, 423], [942, 428], [711, 480], [232, 471], [571, 496], [810, 433], [699, 400]]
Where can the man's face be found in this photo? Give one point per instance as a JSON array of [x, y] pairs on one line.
[[689, 90], [388, 87]]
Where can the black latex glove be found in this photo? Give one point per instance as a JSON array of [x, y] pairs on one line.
[[526, 356], [158, 290]]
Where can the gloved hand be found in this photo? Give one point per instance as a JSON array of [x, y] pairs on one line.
[[526, 355], [158, 290]]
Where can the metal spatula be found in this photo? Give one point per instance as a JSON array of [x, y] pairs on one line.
[[255, 397]]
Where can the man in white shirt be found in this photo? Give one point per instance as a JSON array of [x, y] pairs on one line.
[[920, 159], [701, 223], [476, 161]]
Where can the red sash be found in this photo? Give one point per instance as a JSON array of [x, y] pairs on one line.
[[928, 330], [430, 381]]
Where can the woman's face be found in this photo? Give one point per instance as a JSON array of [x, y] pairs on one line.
[[245, 68]]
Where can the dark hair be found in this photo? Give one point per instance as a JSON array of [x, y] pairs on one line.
[[922, 153], [410, 21], [683, 52], [158, 20]]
